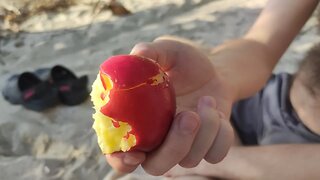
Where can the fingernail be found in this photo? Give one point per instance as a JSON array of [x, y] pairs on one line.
[[138, 48], [208, 101], [129, 160], [188, 125]]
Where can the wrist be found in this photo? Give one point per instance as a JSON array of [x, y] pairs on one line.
[[244, 65]]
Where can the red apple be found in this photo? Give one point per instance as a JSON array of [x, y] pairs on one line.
[[134, 102]]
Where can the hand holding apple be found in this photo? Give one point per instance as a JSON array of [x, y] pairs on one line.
[[200, 130]]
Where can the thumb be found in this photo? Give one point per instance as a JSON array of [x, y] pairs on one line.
[[145, 50], [157, 51], [125, 162]]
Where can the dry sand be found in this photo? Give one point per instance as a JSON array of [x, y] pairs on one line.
[[59, 143]]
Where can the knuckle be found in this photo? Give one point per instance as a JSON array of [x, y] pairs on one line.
[[177, 152], [210, 118], [154, 171], [189, 162], [213, 122], [214, 158]]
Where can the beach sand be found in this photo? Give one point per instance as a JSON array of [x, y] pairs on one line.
[[60, 143]]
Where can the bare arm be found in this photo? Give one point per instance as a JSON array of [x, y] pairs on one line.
[[247, 63], [267, 162]]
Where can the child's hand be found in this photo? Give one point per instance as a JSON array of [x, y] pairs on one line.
[[201, 129]]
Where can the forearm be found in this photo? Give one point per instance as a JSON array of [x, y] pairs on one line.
[[280, 22], [267, 162], [247, 63]]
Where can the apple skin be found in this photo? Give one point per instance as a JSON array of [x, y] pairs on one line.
[[146, 103]]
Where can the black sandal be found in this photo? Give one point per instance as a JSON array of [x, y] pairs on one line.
[[30, 91], [71, 89]]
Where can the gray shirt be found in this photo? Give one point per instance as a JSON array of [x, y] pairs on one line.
[[268, 117]]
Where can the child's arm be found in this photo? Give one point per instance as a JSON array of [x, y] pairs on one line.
[[294, 161], [248, 62], [287, 161]]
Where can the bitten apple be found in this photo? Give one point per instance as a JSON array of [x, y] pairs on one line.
[[134, 103]]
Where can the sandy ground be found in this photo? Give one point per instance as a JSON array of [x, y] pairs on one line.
[[59, 143]]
